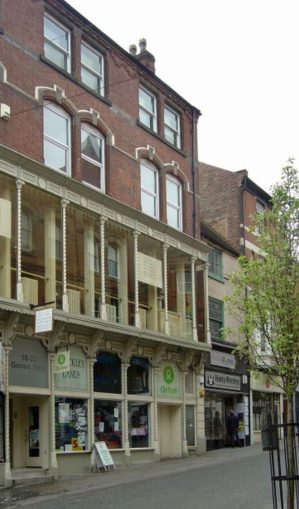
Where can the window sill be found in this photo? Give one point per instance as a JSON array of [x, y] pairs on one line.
[[218, 278], [75, 80], [157, 135]]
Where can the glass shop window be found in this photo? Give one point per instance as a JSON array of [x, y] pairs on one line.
[[138, 376], [71, 424], [107, 373], [107, 423], [138, 417]]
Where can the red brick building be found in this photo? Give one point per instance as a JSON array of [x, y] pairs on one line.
[[99, 216], [229, 202]]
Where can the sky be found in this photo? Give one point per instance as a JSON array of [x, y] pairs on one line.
[[235, 60]]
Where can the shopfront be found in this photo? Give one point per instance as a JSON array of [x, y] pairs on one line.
[[226, 389], [267, 406]]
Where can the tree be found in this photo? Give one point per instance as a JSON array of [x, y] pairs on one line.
[[266, 295]]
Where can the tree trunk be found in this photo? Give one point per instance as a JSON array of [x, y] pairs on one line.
[[290, 456]]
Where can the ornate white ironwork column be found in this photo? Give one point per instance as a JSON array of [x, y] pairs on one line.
[[103, 310], [194, 320], [65, 302], [136, 260], [165, 284], [19, 185]]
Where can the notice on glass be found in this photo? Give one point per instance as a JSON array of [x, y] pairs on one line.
[[64, 413]]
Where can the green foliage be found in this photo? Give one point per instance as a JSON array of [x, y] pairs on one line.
[[266, 289]]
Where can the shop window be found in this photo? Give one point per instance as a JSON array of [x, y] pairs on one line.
[[92, 151], [138, 417], [216, 264], [266, 409], [107, 423], [71, 424], [138, 376], [216, 319], [147, 109], [107, 373], [57, 43], [149, 189], [174, 202], [190, 428], [92, 69], [57, 138], [172, 128], [26, 231]]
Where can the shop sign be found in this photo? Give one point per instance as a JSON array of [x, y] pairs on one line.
[[103, 455], [75, 378], [28, 364], [169, 381], [62, 360], [150, 270], [222, 381], [226, 360]]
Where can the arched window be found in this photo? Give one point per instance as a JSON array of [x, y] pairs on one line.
[[26, 231], [174, 202], [149, 188], [57, 138], [93, 153]]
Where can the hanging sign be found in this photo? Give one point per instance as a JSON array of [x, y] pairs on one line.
[[62, 360], [44, 320]]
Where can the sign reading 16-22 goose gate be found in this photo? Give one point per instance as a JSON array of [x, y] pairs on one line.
[[169, 381]]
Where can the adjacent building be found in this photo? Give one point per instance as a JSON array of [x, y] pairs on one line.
[[99, 219], [229, 201]]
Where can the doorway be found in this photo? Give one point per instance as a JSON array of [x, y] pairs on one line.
[[171, 438], [28, 431]]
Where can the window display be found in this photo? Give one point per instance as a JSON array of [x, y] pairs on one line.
[[107, 423], [138, 414], [71, 424], [266, 409], [138, 376], [107, 373]]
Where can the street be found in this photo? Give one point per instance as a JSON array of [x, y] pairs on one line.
[[224, 479]]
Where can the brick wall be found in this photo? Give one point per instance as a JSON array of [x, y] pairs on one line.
[[21, 50]]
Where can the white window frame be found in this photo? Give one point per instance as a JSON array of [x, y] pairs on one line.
[[59, 111], [99, 76], [56, 46], [177, 132], [91, 130], [176, 207], [29, 231], [155, 196], [152, 114]]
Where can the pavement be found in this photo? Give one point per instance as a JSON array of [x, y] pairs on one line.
[[80, 483]]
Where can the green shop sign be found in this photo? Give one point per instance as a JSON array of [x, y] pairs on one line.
[[169, 382]]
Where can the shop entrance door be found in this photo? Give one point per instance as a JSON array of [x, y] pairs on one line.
[[33, 454], [170, 431]]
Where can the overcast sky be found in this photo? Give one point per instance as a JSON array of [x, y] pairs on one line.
[[235, 60]]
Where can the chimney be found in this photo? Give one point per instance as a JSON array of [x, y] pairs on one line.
[[144, 56], [133, 50]]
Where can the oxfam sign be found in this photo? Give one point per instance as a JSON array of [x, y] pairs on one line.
[[169, 385]]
